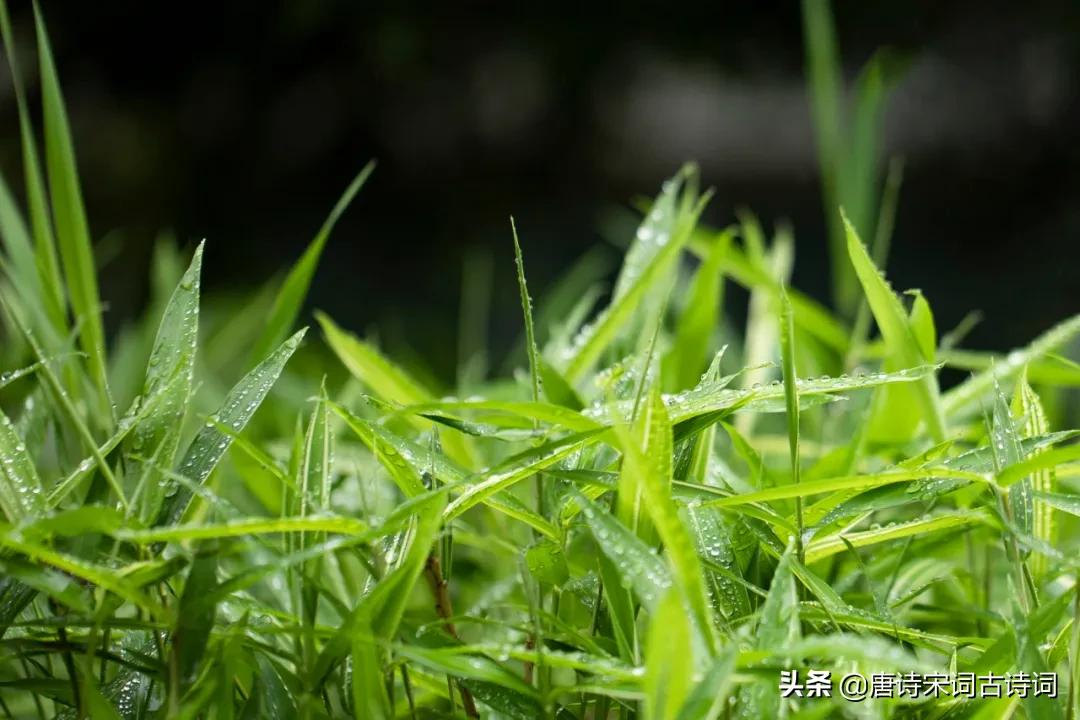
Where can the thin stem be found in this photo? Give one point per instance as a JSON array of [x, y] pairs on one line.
[[445, 609]]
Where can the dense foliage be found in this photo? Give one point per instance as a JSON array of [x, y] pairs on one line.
[[653, 515]]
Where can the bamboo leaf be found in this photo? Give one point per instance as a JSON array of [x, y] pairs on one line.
[[210, 445], [709, 699], [383, 607], [651, 464], [482, 486], [669, 661], [824, 547], [69, 216], [642, 270], [904, 350], [171, 371], [46, 262], [291, 294], [195, 616], [640, 570], [526, 310], [968, 397], [20, 486], [689, 353]]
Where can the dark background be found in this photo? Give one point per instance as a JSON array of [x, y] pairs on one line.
[[243, 123]]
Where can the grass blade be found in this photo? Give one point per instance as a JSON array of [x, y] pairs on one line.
[[651, 466], [210, 445], [824, 547], [290, 297], [47, 262], [631, 290], [903, 348], [669, 661], [20, 486], [824, 78], [526, 310], [69, 216], [170, 370], [516, 469], [640, 569], [194, 622], [387, 381], [689, 354], [383, 607], [709, 699], [969, 396], [791, 399]]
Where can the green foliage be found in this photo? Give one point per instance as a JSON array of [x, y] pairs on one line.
[[630, 524]]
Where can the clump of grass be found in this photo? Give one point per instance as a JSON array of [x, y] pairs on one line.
[[652, 517]]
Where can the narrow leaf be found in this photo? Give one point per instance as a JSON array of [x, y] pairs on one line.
[[210, 445], [290, 297]]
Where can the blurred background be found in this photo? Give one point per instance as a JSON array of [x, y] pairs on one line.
[[242, 122]]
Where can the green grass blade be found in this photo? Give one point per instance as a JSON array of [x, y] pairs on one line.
[[369, 693], [517, 468], [388, 381], [710, 398], [722, 571], [598, 335], [69, 216], [1065, 502], [314, 495], [402, 459], [778, 626], [318, 460], [922, 326], [760, 342], [290, 297], [47, 262], [689, 354], [824, 547], [826, 102], [847, 483], [710, 698], [194, 622], [658, 226], [510, 413], [210, 445], [66, 406], [651, 464], [641, 570], [903, 348], [527, 312], [20, 486], [1049, 371], [1048, 459], [383, 607], [96, 460], [19, 264], [669, 659], [1005, 441], [971, 395], [170, 370], [791, 399], [105, 578], [621, 608], [97, 705], [56, 585], [369, 366], [243, 528], [859, 182], [810, 315]]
